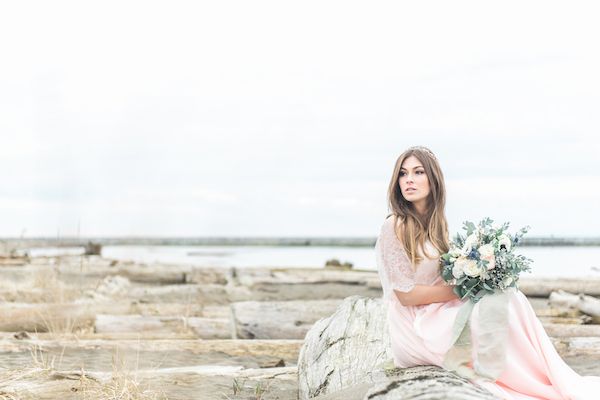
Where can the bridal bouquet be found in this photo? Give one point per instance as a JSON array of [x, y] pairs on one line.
[[483, 261], [483, 266]]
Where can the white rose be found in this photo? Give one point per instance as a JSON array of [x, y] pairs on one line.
[[504, 240], [457, 270], [486, 251], [470, 268], [471, 240]]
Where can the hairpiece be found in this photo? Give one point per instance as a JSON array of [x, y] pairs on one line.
[[423, 148]]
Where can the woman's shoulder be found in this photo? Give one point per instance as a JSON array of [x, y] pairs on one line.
[[392, 226], [392, 221]]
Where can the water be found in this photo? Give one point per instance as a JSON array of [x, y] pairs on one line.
[[556, 261]]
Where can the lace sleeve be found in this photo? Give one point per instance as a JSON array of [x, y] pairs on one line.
[[393, 265]]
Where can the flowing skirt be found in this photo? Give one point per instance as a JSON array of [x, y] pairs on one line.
[[420, 335]]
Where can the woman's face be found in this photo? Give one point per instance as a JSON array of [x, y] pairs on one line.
[[413, 181]]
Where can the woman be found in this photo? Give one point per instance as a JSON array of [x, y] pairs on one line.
[[421, 308]]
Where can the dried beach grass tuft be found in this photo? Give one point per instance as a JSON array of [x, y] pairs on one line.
[[123, 384]]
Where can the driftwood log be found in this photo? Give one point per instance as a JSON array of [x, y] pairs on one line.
[[244, 320], [543, 287], [45, 317], [278, 319], [168, 353], [203, 328], [209, 285], [197, 382], [347, 356], [586, 304]]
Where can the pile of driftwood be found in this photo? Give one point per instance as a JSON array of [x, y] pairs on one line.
[[215, 333]]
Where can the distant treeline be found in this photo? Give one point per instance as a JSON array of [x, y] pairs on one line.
[[256, 241]]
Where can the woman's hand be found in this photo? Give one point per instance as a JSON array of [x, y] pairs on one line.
[[423, 294]]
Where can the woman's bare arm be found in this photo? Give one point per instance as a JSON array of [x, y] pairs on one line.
[[423, 294]]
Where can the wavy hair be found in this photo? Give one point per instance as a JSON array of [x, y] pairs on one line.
[[415, 228]]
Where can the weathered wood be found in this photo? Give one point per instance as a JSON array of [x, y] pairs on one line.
[[189, 293], [542, 287], [40, 295], [425, 383], [557, 312], [252, 276], [159, 274], [262, 284], [576, 346], [580, 320], [133, 307], [242, 284], [586, 304], [204, 328], [350, 350], [190, 309], [571, 330], [210, 275], [278, 319], [97, 354], [88, 271], [13, 260], [209, 382], [340, 351], [208, 321], [45, 317]]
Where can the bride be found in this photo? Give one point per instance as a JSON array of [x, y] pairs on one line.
[[421, 308]]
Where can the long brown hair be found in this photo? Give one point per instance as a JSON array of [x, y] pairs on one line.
[[414, 228]]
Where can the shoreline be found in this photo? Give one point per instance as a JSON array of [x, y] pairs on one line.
[[255, 241]]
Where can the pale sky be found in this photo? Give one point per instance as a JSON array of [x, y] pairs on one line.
[[285, 118]]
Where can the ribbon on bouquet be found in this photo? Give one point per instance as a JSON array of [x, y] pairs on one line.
[[491, 337]]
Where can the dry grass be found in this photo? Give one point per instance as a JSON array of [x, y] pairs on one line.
[[42, 286], [243, 391], [8, 396], [40, 368], [52, 290], [122, 385], [64, 325]]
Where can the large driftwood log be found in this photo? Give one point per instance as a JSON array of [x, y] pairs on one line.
[[199, 382], [211, 275], [292, 319], [542, 287], [85, 273], [252, 276], [579, 320], [278, 319], [203, 328], [45, 317], [586, 304], [350, 352], [571, 330], [262, 284], [37, 317], [189, 293], [425, 383], [168, 353], [220, 286]]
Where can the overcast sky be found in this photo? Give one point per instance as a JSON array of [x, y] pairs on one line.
[[285, 118]]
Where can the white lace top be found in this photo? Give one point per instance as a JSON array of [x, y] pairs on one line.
[[395, 269]]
